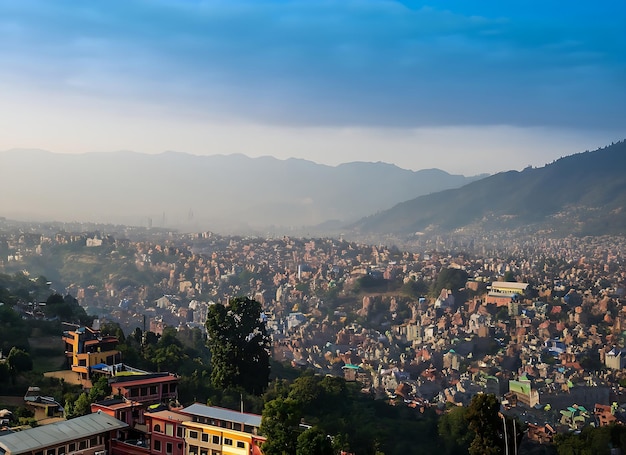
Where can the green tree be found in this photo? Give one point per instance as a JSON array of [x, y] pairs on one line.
[[239, 344], [484, 420], [19, 360], [82, 406], [453, 431], [100, 389], [279, 423], [314, 442], [449, 278]]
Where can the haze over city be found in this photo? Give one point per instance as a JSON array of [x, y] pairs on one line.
[[468, 88]]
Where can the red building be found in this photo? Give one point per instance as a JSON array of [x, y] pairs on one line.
[[130, 412], [146, 388], [166, 432]]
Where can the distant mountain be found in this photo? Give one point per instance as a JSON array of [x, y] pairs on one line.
[[190, 192], [581, 194]]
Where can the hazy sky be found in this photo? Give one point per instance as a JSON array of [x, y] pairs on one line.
[[464, 86]]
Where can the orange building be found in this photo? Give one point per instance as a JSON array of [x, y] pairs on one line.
[[86, 347]]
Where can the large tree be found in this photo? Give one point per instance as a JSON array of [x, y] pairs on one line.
[[485, 421], [239, 344]]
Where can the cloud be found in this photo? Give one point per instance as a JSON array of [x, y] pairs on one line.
[[329, 63]]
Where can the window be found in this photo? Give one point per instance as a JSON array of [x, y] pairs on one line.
[[50, 452], [193, 450], [228, 442], [157, 428], [193, 434], [134, 392], [205, 437], [216, 440], [157, 445], [169, 448], [72, 447], [180, 432], [61, 450], [169, 429], [241, 444], [204, 452], [153, 390], [93, 442], [82, 445]]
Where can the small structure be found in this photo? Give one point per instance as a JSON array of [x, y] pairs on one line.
[[44, 408]]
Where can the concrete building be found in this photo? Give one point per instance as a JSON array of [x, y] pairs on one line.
[[90, 435], [214, 431]]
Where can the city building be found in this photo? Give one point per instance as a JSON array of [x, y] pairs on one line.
[[166, 431], [86, 348], [219, 431], [90, 434]]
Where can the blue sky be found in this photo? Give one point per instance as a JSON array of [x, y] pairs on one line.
[[467, 87]]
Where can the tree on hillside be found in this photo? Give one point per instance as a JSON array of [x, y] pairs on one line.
[[484, 420], [19, 360], [454, 432], [239, 344], [449, 278]]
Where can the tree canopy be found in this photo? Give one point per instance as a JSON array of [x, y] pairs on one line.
[[239, 344]]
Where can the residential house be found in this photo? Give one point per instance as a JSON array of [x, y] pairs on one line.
[[86, 348]]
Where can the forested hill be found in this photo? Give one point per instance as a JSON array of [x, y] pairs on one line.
[[581, 194], [230, 194]]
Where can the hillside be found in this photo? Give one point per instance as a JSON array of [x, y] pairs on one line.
[[177, 190], [582, 194]]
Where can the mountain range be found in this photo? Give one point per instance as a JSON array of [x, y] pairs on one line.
[[231, 194], [582, 194]]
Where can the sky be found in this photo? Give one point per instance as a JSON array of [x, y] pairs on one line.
[[467, 87]]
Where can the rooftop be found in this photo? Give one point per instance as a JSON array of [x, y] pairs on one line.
[[223, 414], [57, 433]]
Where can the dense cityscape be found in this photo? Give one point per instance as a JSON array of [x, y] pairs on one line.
[[537, 322]]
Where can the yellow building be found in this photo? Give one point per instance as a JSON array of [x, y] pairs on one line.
[[219, 431], [85, 348]]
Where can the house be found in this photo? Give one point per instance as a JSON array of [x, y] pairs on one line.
[[128, 411], [501, 293], [90, 434], [524, 391], [86, 348], [218, 430], [605, 414], [615, 359], [146, 388], [45, 409]]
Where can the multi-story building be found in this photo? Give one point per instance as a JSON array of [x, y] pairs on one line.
[[128, 411], [86, 348], [146, 388], [219, 431], [91, 434], [166, 431]]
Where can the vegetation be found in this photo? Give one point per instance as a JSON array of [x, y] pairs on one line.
[[315, 412], [239, 344]]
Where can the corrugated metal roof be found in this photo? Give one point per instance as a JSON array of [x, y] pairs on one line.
[[227, 415], [58, 433]]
